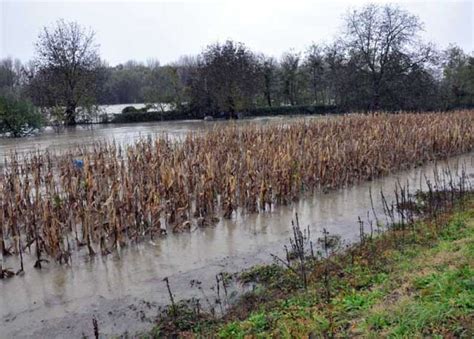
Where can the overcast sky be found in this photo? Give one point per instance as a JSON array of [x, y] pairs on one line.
[[165, 30]]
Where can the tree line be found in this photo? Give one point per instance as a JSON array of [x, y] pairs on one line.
[[379, 62]]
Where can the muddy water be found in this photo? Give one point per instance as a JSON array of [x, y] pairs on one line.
[[124, 290], [120, 133]]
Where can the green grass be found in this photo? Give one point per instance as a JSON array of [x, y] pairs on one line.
[[439, 296], [420, 287], [427, 289]]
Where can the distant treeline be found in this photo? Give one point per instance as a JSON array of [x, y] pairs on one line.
[[377, 63], [219, 81]]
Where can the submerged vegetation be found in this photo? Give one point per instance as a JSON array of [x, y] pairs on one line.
[[53, 204], [414, 280]]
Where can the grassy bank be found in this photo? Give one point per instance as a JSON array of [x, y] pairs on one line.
[[412, 281]]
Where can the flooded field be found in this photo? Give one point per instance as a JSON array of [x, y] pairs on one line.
[[121, 133], [201, 170], [224, 197], [125, 289]]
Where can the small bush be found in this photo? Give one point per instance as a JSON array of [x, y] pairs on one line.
[[134, 110], [18, 117], [129, 109]]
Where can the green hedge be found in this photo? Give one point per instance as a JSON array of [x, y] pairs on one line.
[[129, 117], [151, 116], [291, 110]]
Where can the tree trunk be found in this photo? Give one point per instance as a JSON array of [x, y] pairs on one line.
[[375, 102], [269, 99], [315, 88], [2, 250], [70, 118]]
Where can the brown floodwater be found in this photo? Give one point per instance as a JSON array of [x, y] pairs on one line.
[[123, 134], [124, 290]]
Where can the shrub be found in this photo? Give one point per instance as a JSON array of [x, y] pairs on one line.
[[129, 109], [132, 109], [18, 117]]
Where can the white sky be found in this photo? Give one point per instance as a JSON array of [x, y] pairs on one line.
[[165, 30]]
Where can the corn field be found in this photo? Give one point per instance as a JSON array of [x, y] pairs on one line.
[[50, 207]]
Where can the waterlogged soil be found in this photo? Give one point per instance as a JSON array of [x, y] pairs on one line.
[[125, 290]]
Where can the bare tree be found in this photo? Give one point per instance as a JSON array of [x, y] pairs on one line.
[[376, 37], [68, 57], [228, 79], [290, 65], [269, 69], [10, 74], [314, 65]]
